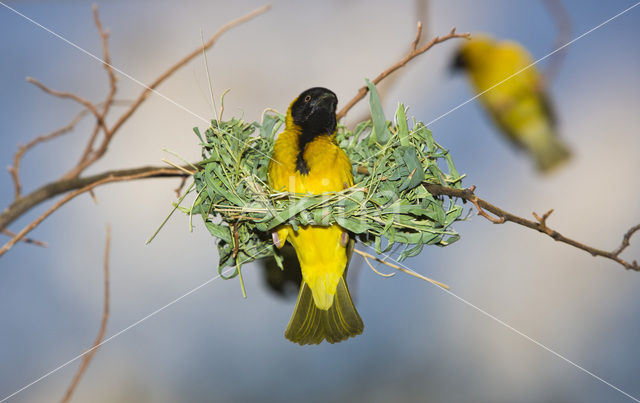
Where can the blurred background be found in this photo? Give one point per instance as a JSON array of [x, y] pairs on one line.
[[419, 343]]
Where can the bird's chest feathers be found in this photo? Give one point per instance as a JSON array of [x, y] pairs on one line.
[[315, 155], [322, 171], [326, 166], [313, 150]]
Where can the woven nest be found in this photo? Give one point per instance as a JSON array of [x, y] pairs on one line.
[[388, 204]]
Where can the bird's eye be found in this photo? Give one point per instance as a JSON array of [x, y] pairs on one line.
[[307, 98]]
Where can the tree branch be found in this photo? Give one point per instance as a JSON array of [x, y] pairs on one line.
[[415, 51], [147, 91], [539, 225], [104, 36], [103, 325], [22, 149], [66, 95], [71, 181], [85, 184], [76, 185], [25, 240], [82, 185]]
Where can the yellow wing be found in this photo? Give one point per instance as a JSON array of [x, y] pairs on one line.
[[513, 92]]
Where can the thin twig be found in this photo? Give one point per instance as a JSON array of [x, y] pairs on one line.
[[71, 179], [22, 149], [67, 95], [625, 240], [414, 44], [402, 269], [412, 53], [104, 36], [236, 240], [178, 190], [26, 240], [539, 225], [481, 212], [543, 220], [103, 325], [147, 91]]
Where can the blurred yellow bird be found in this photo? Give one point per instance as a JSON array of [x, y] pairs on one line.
[[307, 159], [520, 106]]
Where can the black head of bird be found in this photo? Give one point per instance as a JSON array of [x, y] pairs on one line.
[[458, 62], [473, 53], [314, 111]]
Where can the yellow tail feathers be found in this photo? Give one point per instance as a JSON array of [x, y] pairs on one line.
[[310, 325], [551, 154]]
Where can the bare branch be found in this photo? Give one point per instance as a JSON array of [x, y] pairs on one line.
[[73, 185], [67, 95], [85, 184], [106, 178], [539, 225], [71, 181], [53, 189], [26, 240], [625, 241], [104, 36], [178, 190], [103, 325], [22, 149], [94, 156], [481, 212], [412, 53], [414, 44]]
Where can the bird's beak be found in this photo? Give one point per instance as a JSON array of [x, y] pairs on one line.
[[457, 63], [326, 101]]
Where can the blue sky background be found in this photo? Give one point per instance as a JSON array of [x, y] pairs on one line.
[[419, 344]]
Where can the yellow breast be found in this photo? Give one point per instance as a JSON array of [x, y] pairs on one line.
[[329, 166]]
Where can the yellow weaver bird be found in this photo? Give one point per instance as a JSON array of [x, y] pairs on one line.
[[520, 106], [307, 159]]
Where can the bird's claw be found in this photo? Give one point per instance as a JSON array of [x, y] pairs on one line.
[[276, 239], [344, 239]]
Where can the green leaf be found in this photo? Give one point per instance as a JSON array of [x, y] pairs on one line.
[[380, 130], [197, 132], [410, 252], [403, 130], [219, 231], [354, 225], [415, 175]]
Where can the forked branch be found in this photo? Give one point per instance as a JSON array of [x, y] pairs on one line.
[[413, 52], [540, 224], [72, 185]]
